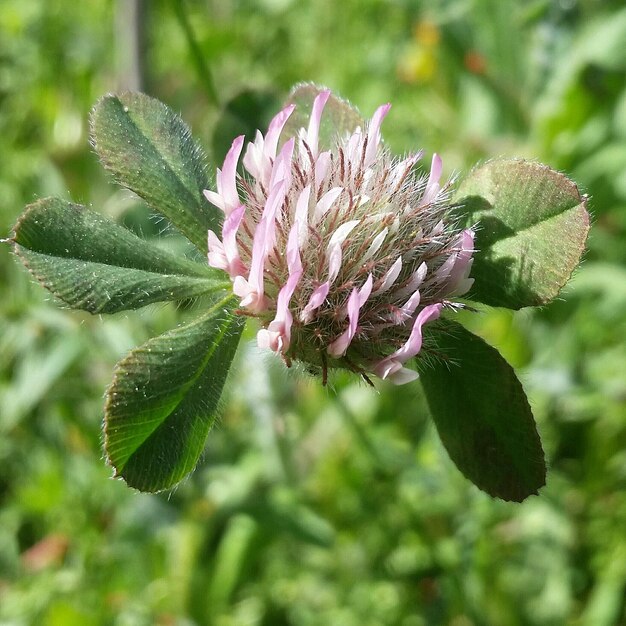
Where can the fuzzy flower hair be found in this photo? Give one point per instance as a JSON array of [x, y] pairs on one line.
[[343, 254]]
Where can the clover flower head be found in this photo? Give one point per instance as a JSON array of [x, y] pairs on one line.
[[342, 254]]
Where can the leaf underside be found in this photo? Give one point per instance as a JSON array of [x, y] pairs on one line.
[[483, 416], [532, 227], [150, 150], [164, 398], [94, 264]]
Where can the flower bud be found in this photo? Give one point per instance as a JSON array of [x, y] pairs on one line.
[[343, 254]]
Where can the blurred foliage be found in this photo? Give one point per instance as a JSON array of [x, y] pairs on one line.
[[317, 506]]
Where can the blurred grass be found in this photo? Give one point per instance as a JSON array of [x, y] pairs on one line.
[[318, 506]]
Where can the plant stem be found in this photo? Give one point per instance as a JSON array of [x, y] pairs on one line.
[[202, 69], [361, 434], [130, 37]]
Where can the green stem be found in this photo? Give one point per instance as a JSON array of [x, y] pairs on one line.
[[203, 70], [284, 447], [361, 434]]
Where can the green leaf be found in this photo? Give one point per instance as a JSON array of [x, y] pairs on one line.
[[339, 116], [483, 417], [94, 264], [532, 228], [150, 150], [163, 399]]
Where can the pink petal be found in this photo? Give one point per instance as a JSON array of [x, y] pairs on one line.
[[214, 198], [375, 245], [229, 236], [390, 277], [458, 278], [252, 290], [278, 334], [266, 339], [273, 337], [227, 179], [401, 315], [417, 278], [264, 233], [284, 296], [275, 128], [414, 342], [321, 168], [446, 267], [294, 264], [283, 320], [253, 159], [408, 308], [464, 285], [402, 166], [432, 186], [387, 367], [312, 135], [392, 363], [280, 327], [357, 299], [250, 297], [316, 300], [366, 290], [333, 251], [217, 255], [338, 347], [353, 148], [260, 155], [301, 217], [373, 134], [454, 272], [281, 170], [325, 202], [402, 375]]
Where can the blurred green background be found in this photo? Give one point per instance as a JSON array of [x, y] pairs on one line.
[[315, 506]]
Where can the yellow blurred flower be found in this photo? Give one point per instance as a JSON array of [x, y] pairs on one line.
[[426, 34], [418, 62]]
